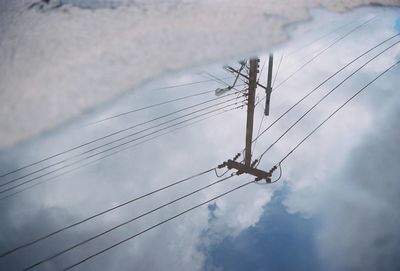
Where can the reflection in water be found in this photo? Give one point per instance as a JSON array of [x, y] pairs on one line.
[[335, 208]]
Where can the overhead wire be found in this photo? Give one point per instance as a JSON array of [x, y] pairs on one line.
[[324, 97], [320, 38], [157, 104], [112, 148], [87, 143], [324, 81], [156, 225], [337, 110], [190, 83], [277, 71], [180, 110], [114, 153], [57, 254], [113, 141], [146, 107], [216, 79], [106, 144], [324, 50], [30, 243]]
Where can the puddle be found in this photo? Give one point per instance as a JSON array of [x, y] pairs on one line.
[[176, 125]]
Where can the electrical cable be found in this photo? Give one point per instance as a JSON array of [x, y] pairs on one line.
[[136, 110], [103, 212], [219, 176], [189, 84], [155, 226], [337, 110], [113, 141], [74, 148], [323, 82], [324, 50], [124, 223], [216, 79], [324, 97], [111, 148], [320, 38], [277, 71], [114, 153]]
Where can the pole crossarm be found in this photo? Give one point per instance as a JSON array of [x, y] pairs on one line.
[[241, 168]]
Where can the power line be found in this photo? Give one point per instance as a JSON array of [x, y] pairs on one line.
[[106, 144], [190, 83], [156, 225], [320, 38], [323, 98], [101, 152], [111, 142], [217, 79], [337, 110], [103, 212], [323, 82], [113, 153], [277, 71], [125, 223], [183, 109], [324, 50], [136, 110], [87, 143]]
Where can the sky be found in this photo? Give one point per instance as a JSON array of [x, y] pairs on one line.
[[335, 207]]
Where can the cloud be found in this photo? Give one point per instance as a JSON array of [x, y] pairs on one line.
[[360, 204]]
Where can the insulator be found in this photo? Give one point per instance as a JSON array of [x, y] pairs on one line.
[[222, 165]]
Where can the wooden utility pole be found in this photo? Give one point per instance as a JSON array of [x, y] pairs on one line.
[[250, 108], [248, 166]]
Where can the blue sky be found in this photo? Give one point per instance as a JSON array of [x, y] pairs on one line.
[[278, 241]]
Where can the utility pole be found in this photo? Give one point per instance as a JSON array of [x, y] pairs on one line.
[[250, 108], [249, 166]]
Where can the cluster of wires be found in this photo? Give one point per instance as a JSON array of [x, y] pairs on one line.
[[31, 175], [393, 42]]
